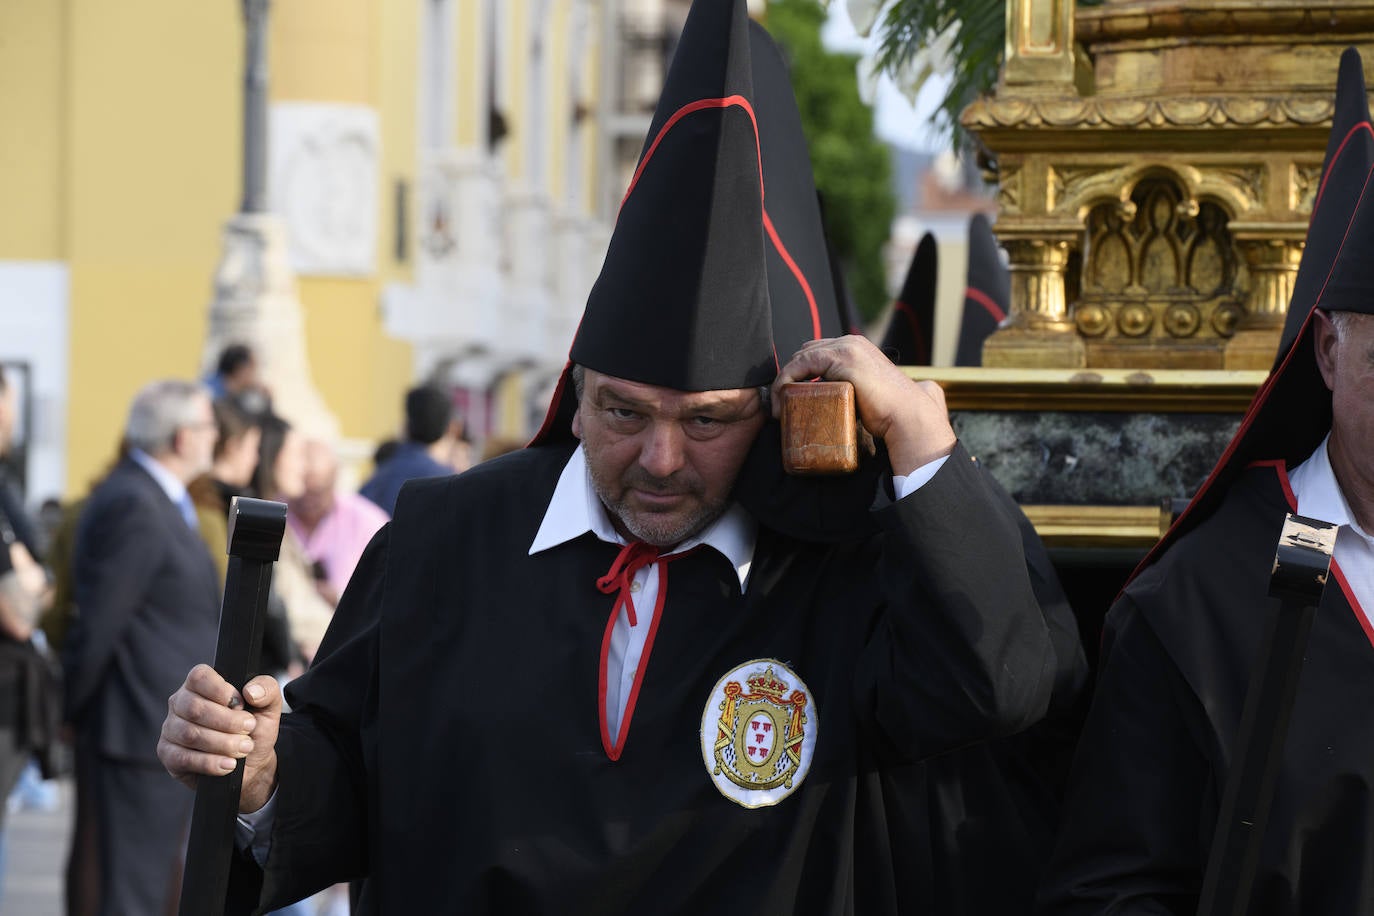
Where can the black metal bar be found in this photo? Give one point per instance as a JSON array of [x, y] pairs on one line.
[[1298, 579], [256, 527]]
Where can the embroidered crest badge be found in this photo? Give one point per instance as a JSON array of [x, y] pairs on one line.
[[758, 733]]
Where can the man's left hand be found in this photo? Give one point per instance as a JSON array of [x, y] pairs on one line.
[[909, 416]]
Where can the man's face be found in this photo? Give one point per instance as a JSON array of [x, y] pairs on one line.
[[664, 461], [321, 474], [1347, 366], [289, 470], [196, 440]]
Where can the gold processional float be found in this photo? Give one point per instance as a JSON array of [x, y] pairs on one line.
[[1156, 164]]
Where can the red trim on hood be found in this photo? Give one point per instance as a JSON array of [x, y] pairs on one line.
[[796, 272], [1344, 238], [546, 429], [987, 302], [1365, 125], [699, 105]]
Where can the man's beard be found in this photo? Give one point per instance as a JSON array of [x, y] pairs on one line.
[[648, 528]]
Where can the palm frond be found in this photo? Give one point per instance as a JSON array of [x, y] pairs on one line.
[[975, 32]]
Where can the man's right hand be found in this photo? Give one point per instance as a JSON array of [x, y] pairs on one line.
[[209, 728]]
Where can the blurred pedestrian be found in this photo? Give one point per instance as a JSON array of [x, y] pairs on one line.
[[333, 527], [237, 435], [236, 371], [462, 454], [384, 451], [83, 868], [56, 620], [432, 428], [23, 591], [147, 605], [280, 476]]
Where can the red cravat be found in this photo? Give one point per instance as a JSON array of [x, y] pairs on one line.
[[633, 557]]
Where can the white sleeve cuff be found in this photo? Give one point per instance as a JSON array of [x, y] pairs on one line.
[[905, 486], [253, 832]]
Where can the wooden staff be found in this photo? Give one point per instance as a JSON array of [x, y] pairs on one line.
[[256, 527], [1299, 577]]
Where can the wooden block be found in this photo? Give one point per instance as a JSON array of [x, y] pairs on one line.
[[819, 428]]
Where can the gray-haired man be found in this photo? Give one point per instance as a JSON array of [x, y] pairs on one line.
[[147, 607]]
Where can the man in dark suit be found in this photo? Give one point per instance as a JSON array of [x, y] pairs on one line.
[[147, 607]]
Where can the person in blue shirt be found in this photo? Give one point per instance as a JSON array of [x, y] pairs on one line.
[[236, 372], [433, 426]]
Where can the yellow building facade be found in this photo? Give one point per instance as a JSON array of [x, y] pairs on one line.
[[435, 163]]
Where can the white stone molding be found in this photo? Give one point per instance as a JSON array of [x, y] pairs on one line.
[[529, 243], [323, 163], [437, 78], [458, 297], [573, 278], [255, 303]]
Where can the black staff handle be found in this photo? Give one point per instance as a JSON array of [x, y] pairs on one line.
[[1301, 568], [256, 527]]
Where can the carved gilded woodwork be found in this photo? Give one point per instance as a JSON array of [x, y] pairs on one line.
[[1107, 114], [1039, 55], [1160, 268], [1157, 162]]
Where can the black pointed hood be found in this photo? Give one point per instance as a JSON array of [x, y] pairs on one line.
[[850, 322], [799, 282], [909, 336], [1349, 155], [1291, 413], [987, 297], [804, 307], [682, 299]]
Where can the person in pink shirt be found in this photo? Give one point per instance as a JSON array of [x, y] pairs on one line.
[[332, 526]]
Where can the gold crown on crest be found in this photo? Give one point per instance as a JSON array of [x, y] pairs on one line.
[[768, 683]]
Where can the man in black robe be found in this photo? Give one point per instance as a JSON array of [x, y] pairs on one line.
[[1182, 640], [975, 826], [631, 668]]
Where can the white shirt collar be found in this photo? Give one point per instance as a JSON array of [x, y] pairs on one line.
[[1319, 493], [174, 488], [575, 509]]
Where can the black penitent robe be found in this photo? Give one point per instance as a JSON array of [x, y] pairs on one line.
[[1178, 650], [994, 806], [448, 745]]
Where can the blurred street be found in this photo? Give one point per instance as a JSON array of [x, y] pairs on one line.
[[35, 854]]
